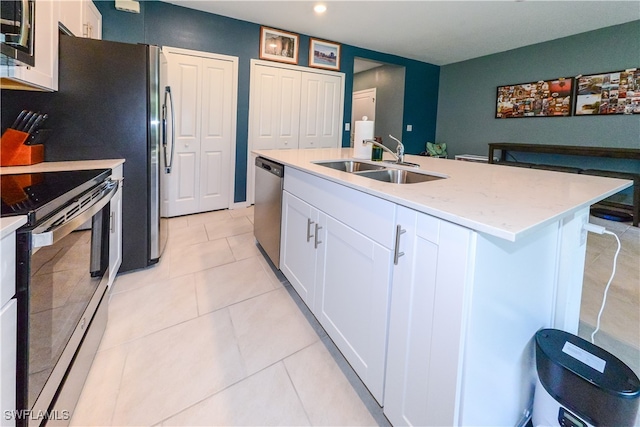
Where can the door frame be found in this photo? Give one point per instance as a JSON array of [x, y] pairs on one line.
[[234, 108], [367, 94], [250, 193]]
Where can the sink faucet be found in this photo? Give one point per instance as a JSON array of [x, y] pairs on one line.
[[399, 154]]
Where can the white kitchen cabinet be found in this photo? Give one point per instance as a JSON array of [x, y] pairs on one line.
[[337, 253], [320, 104], [413, 394], [204, 90], [115, 227], [8, 339], [92, 21], [8, 317], [352, 298], [43, 76], [298, 248], [443, 337], [464, 309], [81, 18]]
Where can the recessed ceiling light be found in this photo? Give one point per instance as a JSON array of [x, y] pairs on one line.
[[320, 8]]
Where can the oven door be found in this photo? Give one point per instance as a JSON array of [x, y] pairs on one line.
[[61, 283]]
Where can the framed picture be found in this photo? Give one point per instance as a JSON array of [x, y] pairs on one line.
[[276, 45], [617, 92], [324, 54], [545, 98]]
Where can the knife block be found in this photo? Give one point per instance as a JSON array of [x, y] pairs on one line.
[[15, 153]]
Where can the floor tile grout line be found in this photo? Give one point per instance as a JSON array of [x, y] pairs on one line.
[[124, 366], [133, 340], [293, 384], [193, 318]]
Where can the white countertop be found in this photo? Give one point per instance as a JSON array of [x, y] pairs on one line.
[[503, 201], [10, 224], [62, 166]]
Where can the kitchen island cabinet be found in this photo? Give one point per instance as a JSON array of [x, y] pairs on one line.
[[298, 249], [339, 271], [477, 275]]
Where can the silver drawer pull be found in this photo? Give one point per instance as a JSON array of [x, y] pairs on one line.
[[316, 241], [309, 235], [397, 254]]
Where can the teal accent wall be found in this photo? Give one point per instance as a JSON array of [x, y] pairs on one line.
[[165, 24], [467, 101]]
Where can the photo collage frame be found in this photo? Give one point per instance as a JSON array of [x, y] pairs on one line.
[[610, 93]]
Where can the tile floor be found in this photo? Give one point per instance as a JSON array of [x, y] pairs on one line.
[[213, 336]]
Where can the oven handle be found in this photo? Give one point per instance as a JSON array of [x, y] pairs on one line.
[[51, 236]]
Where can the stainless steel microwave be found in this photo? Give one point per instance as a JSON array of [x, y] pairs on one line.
[[17, 19]]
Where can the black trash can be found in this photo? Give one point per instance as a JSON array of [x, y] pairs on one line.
[[580, 384]]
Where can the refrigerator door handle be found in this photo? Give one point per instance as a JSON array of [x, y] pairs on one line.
[[167, 96]]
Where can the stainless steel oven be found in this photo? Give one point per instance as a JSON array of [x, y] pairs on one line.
[[61, 285], [17, 20]]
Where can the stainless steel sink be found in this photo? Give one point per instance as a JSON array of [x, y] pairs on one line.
[[399, 176], [350, 166]]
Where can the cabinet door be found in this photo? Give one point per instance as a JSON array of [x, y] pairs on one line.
[[8, 339], [411, 321], [424, 359], [352, 298], [71, 16], [297, 253], [215, 134], [320, 103], [115, 235], [91, 21], [185, 75]]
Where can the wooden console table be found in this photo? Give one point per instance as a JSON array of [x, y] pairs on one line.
[[571, 150]]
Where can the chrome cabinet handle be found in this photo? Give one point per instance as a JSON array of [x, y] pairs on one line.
[[309, 235], [112, 222], [316, 241], [397, 254]]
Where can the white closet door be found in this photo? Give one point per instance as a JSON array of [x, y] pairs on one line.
[[185, 75], [320, 102], [289, 109], [215, 154], [203, 87], [264, 117], [275, 100]]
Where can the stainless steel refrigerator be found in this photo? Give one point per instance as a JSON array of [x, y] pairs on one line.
[[112, 103]]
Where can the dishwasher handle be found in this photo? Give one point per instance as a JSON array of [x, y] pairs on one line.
[[269, 166]]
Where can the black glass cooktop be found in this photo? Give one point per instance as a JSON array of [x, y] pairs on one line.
[[38, 195]]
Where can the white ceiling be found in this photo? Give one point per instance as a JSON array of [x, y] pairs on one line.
[[437, 32]]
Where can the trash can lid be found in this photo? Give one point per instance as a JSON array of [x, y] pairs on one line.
[[588, 361]]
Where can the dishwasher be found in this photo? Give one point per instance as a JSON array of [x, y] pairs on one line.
[[268, 207]]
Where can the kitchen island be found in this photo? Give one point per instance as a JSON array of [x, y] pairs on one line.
[[433, 290]]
